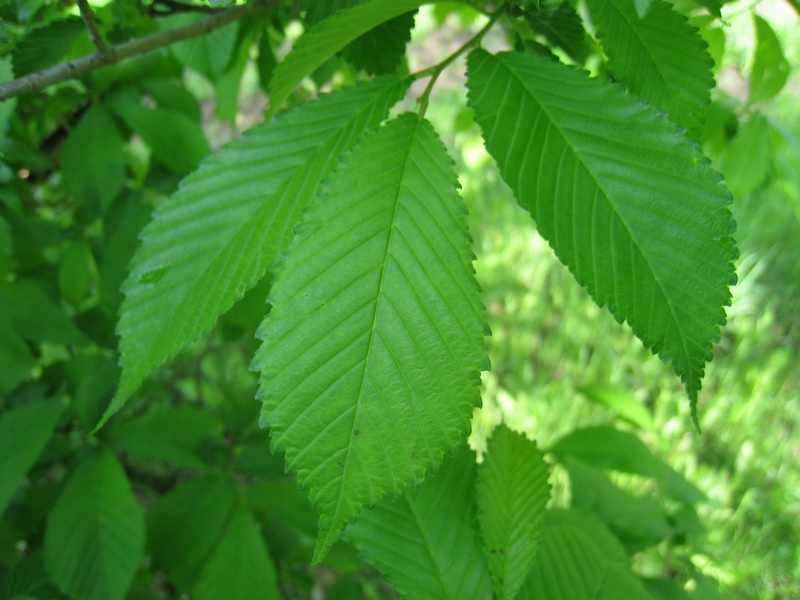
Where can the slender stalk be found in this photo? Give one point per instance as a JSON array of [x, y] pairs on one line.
[[91, 25], [74, 69], [437, 69]]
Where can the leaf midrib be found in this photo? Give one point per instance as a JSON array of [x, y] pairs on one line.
[[613, 206]]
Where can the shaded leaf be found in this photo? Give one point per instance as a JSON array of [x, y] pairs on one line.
[[15, 356], [372, 350], [46, 45], [201, 253], [512, 495], [208, 54], [425, 542], [639, 521], [580, 560], [178, 435], [562, 27], [239, 567], [326, 39], [658, 56], [186, 524], [35, 316], [175, 139], [93, 159], [626, 202], [24, 431], [95, 532], [770, 68]]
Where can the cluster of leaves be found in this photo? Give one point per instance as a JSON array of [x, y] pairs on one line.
[[348, 218]]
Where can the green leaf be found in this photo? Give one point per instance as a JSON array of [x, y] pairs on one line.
[[580, 560], [15, 356], [46, 45], [186, 524], [239, 567], [24, 432], [35, 316], [425, 542], [639, 521], [372, 350], [208, 54], [642, 6], [178, 435], [175, 139], [93, 159], [746, 159], [76, 272], [625, 201], [659, 56], [326, 39], [621, 401], [380, 50], [562, 27], [512, 495], [200, 253], [770, 68], [95, 533]]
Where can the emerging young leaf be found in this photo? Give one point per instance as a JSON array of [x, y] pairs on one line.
[[425, 542], [95, 532], [327, 38], [512, 495], [215, 238], [372, 350], [657, 55], [625, 201], [580, 560]]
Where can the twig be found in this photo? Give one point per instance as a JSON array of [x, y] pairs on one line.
[[437, 69], [74, 69], [91, 25]]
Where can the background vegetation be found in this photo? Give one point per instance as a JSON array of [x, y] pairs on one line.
[[559, 362]]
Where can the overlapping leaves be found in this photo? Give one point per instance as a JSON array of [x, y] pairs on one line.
[[628, 204], [658, 56], [372, 351], [216, 237]]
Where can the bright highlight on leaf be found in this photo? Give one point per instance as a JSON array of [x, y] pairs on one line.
[[215, 238], [372, 351], [657, 55], [627, 204], [512, 495], [425, 542]]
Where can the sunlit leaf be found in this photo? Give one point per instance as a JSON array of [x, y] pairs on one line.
[[658, 56], [372, 350], [215, 238], [512, 495], [628, 205], [425, 542]]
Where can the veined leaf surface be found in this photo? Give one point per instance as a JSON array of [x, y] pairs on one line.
[[372, 351], [580, 560], [215, 238], [512, 495], [658, 55], [625, 201], [425, 542], [326, 39]]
